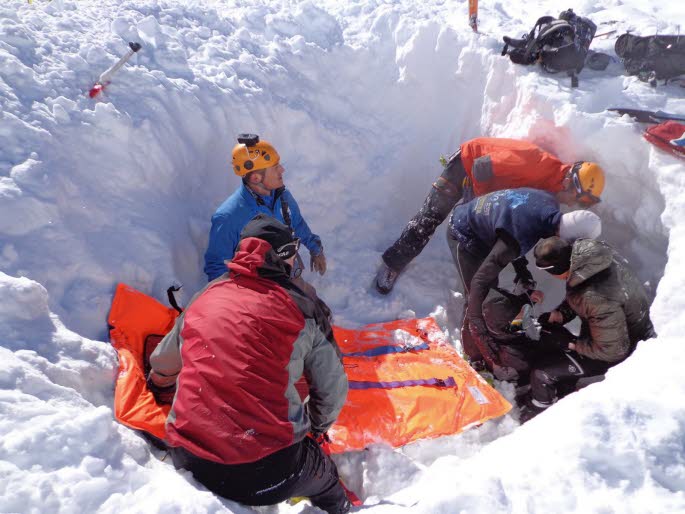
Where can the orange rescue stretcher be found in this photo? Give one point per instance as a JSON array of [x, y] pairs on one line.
[[406, 381]]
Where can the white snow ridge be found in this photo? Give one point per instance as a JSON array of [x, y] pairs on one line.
[[360, 98]]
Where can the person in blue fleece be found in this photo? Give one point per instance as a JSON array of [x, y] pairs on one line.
[[492, 231], [262, 190]]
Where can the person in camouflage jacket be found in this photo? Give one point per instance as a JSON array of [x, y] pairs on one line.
[[603, 291]]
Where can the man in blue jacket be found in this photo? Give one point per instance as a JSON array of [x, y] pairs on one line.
[[262, 190], [492, 231]]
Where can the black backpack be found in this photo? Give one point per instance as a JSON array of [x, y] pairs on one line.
[[652, 57], [558, 44]]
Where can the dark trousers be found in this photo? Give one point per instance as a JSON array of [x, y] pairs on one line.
[[302, 469], [467, 264], [466, 261], [444, 195], [523, 354], [558, 374]]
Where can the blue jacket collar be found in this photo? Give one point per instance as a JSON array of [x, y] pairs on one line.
[[248, 194]]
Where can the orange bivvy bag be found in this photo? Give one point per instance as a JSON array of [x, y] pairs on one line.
[[406, 381], [137, 321]]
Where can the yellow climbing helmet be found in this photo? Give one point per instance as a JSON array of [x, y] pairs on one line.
[[251, 154], [588, 181]]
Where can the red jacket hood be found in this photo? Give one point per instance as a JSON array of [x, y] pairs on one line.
[[250, 255], [256, 258]]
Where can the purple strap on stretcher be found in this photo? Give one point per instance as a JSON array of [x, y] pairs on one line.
[[385, 350], [437, 382]]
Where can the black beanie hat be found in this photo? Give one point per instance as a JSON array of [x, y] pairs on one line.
[[270, 230]]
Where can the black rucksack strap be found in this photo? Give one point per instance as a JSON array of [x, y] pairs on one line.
[[172, 299], [285, 208], [543, 20], [527, 47]]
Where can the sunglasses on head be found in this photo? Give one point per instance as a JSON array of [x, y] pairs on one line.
[[555, 269], [583, 197], [288, 249]]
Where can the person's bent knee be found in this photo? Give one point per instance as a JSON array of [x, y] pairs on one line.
[[541, 377]]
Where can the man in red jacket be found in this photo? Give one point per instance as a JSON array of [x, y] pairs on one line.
[[231, 364], [481, 166]]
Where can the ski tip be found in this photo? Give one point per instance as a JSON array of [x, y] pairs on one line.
[[135, 46]]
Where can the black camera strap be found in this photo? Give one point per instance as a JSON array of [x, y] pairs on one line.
[[285, 208]]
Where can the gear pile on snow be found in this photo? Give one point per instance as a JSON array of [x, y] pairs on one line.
[[652, 58], [558, 44]]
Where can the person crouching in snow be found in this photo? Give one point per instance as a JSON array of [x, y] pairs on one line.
[[610, 301], [492, 231], [231, 364], [262, 190], [488, 164]]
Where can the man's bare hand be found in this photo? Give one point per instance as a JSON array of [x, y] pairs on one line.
[[537, 296]]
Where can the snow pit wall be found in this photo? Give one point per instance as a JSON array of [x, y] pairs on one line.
[[122, 189]]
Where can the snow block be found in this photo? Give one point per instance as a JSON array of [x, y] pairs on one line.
[[406, 381]]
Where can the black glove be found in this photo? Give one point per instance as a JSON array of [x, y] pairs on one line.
[[563, 340], [543, 319], [163, 395], [523, 277], [556, 335], [526, 284]]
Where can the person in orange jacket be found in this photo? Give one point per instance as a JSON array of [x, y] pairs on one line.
[[481, 166]]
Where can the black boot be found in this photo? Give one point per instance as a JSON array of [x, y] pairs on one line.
[[529, 408], [385, 278]]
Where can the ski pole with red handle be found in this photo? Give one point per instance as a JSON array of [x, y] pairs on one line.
[[322, 440], [106, 77]]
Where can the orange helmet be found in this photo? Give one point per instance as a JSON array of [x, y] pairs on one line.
[[588, 181], [251, 154]]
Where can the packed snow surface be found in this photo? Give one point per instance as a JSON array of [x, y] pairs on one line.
[[360, 99]]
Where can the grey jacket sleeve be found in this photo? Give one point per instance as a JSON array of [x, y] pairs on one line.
[[327, 383], [500, 256], [609, 340], [502, 253], [166, 359]]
